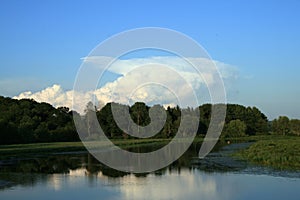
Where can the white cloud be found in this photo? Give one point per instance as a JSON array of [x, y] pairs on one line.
[[140, 83], [54, 95], [182, 65]]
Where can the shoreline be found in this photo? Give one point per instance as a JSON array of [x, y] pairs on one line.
[[278, 152]]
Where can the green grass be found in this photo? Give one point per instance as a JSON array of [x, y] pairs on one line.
[[281, 152], [24, 150]]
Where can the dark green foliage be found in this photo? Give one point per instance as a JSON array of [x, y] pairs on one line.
[[108, 124], [284, 126], [235, 128], [245, 120], [26, 121], [139, 113], [256, 122], [295, 126]]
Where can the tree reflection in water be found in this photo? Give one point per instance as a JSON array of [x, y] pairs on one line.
[[27, 172]]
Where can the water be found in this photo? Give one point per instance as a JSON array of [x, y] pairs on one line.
[[79, 176]]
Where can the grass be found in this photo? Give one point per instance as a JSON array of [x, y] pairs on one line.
[[280, 152], [24, 150]]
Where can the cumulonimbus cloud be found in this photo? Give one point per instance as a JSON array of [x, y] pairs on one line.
[[154, 94]]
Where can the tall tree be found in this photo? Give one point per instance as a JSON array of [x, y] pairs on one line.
[[235, 128], [281, 125], [140, 115], [295, 126]]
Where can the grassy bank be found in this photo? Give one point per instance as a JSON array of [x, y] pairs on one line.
[[27, 150], [24, 150], [281, 152]]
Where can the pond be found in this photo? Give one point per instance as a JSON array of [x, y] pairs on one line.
[[77, 175]]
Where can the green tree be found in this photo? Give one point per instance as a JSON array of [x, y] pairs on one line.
[[258, 122], [295, 126], [168, 128], [205, 114], [281, 125], [107, 122], [140, 114], [235, 128]]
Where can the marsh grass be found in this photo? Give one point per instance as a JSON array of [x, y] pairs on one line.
[[276, 152]]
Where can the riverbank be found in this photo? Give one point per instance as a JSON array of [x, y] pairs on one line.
[[280, 152], [24, 150]]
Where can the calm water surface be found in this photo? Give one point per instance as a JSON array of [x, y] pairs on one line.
[[80, 176]]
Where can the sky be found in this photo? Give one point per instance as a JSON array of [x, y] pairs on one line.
[[43, 43]]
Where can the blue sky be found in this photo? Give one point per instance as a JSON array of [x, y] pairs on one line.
[[41, 42]]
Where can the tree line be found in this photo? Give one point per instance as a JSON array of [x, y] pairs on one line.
[[27, 121]]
